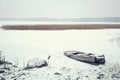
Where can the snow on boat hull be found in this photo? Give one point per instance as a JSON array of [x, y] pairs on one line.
[[84, 57]]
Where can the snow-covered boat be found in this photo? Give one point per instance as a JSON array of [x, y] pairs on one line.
[[85, 57]]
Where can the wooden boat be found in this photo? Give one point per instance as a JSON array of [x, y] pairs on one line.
[[85, 57]]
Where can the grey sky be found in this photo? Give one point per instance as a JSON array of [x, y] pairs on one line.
[[59, 8]]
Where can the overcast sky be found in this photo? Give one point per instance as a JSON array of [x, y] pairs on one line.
[[59, 8]]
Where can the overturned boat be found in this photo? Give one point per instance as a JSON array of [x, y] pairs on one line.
[[85, 57]]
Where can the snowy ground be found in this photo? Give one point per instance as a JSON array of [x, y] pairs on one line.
[[20, 46]]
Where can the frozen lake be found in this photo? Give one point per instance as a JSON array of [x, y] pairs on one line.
[[23, 45]]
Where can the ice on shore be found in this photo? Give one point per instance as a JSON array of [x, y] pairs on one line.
[[21, 46]]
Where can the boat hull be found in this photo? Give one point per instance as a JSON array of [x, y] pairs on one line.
[[84, 57]]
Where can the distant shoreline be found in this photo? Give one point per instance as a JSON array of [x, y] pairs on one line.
[[60, 26]]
